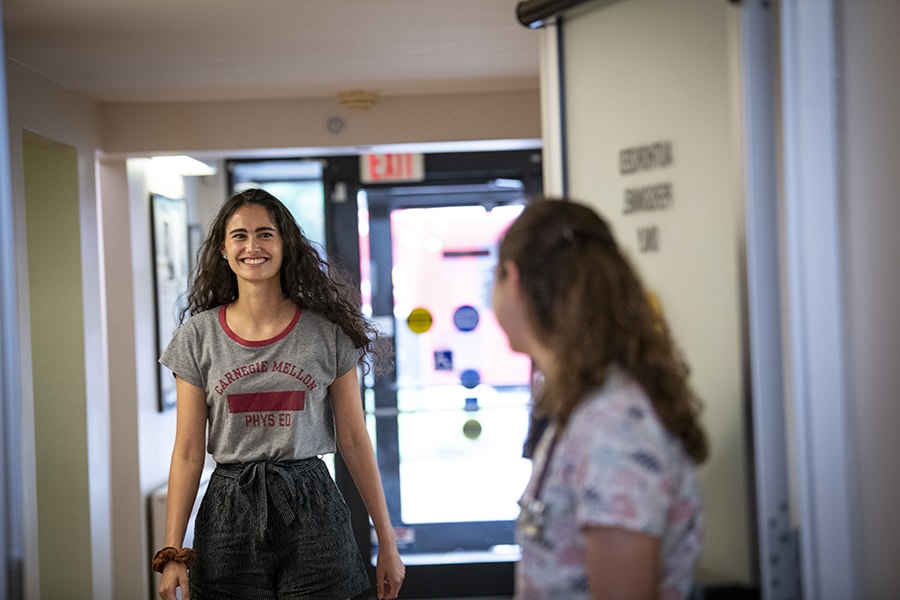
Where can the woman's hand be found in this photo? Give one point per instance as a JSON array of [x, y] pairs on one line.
[[174, 575], [389, 573]]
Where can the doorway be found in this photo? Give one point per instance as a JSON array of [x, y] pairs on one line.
[[448, 423]]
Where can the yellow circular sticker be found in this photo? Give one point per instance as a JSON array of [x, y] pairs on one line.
[[472, 429], [419, 320]]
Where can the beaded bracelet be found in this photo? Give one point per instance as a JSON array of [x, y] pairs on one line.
[[168, 554]]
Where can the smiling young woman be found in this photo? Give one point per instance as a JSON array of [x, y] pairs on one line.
[[266, 366]]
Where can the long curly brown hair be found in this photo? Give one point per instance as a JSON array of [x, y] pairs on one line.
[[306, 278], [586, 303]]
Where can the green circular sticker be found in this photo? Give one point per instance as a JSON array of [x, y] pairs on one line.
[[419, 320], [472, 429]]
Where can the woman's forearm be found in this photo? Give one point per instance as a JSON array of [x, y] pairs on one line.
[[184, 481], [360, 460], [188, 458]]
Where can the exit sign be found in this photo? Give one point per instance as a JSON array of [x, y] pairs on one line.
[[385, 168]]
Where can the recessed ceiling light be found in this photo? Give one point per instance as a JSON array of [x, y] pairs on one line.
[[184, 165]]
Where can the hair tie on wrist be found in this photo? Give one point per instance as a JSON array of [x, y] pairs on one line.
[[169, 554]]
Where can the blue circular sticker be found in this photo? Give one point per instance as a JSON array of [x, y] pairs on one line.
[[466, 318], [470, 378]]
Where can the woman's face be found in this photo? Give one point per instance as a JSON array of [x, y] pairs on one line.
[[253, 244]]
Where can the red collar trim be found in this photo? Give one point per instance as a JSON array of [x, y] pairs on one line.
[[224, 323]]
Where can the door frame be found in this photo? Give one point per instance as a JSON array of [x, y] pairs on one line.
[[454, 171]]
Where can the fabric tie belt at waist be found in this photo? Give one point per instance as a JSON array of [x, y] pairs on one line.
[[272, 481]]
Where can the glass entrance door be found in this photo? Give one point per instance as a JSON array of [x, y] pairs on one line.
[[450, 421]]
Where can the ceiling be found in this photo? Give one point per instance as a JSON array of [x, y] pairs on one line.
[[198, 50]]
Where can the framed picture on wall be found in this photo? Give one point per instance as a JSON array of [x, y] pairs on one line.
[[195, 240], [171, 259]]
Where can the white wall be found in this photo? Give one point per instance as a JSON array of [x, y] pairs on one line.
[[134, 421]]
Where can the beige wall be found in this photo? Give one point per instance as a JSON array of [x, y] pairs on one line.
[[218, 127], [647, 71], [57, 346]]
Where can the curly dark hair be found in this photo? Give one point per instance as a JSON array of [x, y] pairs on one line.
[[306, 278], [587, 304]]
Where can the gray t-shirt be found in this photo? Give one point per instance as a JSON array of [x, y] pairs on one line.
[[267, 400]]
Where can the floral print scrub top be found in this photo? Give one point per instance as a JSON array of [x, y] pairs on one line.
[[613, 465]]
